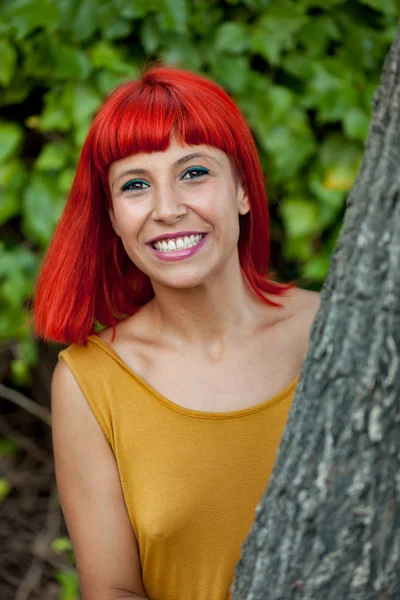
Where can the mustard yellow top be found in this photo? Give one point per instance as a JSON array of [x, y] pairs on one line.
[[191, 479]]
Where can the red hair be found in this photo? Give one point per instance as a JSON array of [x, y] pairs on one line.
[[87, 275]]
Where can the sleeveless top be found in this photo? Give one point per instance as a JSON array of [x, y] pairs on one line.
[[191, 479]]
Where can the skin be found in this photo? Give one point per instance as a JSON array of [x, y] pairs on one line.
[[205, 341], [204, 324]]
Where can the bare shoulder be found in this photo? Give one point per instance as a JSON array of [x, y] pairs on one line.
[[302, 306], [305, 302]]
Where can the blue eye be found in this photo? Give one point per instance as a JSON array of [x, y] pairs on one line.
[[195, 172], [133, 185]]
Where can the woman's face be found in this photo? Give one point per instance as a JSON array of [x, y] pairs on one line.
[[177, 212]]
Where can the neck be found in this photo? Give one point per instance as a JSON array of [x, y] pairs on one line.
[[209, 318]]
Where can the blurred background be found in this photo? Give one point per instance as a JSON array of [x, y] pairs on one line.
[[302, 71]]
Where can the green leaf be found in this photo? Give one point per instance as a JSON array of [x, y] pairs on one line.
[[20, 374], [85, 21], [172, 15], [317, 34], [275, 32], [317, 3], [231, 72], [8, 58], [389, 7], [46, 57], [299, 249], [105, 55], [117, 29], [69, 585], [232, 37], [53, 157], [133, 10], [332, 90], [9, 205], [290, 150], [298, 65], [60, 545], [331, 201], [316, 269], [27, 15], [179, 51], [65, 180], [85, 100], [42, 207], [300, 216], [17, 269], [27, 351], [10, 138], [5, 488], [150, 36], [56, 115], [356, 124], [340, 160], [8, 448]]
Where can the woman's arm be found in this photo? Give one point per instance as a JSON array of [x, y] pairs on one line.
[[104, 542]]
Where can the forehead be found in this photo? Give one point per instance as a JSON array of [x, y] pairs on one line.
[[169, 157]]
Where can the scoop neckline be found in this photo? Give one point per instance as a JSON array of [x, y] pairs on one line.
[[191, 412]]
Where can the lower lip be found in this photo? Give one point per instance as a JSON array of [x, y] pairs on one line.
[[174, 255]]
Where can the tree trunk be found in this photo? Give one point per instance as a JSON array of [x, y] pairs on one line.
[[328, 526]]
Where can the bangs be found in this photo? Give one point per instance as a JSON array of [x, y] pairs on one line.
[[142, 118]]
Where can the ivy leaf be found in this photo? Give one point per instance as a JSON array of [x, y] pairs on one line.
[[9, 205], [85, 100], [85, 21], [106, 56], [172, 15], [232, 37], [27, 15], [8, 448], [53, 157], [5, 488], [69, 585], [317, 267], [48, 58], [17, 269], [133, 10], [60, 545], [8, 58], [41, 208], [356, 124], [388, 7], [55, 116], [10, 138], [179, 51], [150, 36], [231, 71], [300, 216], [274, 33]]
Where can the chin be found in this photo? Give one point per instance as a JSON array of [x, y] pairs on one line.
[[180, 282]]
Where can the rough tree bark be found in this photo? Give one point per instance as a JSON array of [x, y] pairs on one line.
[[328, 526]]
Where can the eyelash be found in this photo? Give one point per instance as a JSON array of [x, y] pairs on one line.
[[202, 170]]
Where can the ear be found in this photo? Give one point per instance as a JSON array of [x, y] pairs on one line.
[[243, 202], [113, 221]]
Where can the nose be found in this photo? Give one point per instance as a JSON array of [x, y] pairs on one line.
[[168, 206]]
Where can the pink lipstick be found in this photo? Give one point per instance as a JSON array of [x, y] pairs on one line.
[[178, 254]]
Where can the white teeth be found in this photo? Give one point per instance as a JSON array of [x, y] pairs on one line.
[[179, 243]]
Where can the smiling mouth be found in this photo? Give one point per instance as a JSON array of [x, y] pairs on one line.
[[180, 243]]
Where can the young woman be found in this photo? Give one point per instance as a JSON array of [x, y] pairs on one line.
[[167, 421]]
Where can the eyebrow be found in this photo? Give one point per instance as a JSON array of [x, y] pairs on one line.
[[180, 161]]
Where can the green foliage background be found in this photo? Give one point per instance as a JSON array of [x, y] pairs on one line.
[[302, 71]]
